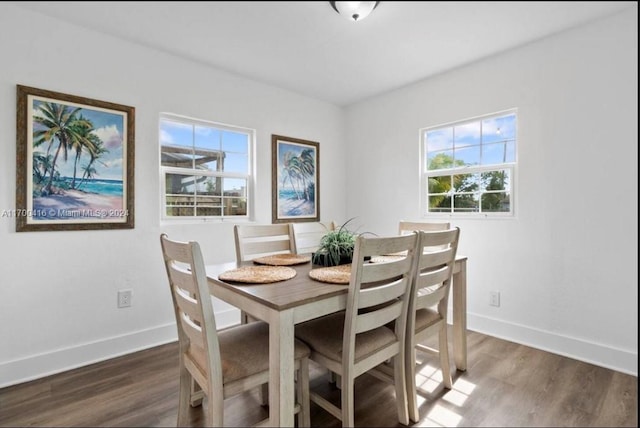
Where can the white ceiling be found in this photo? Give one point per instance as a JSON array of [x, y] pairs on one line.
[[308, 48]]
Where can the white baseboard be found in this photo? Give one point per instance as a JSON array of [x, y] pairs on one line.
[[45, 364], [594, 353]]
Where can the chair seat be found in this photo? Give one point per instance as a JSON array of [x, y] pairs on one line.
[[320, 335], [426, 317], [244, 351]]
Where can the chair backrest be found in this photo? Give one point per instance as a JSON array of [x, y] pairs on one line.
[[197, 335], [409, 226], [307, 236], [379, 293], [434, 271], [256, 240]]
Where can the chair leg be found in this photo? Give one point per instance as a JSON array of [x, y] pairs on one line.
[[302, 387], [401, 388], [412, 393], [347, 411], [444, 357], [215, 407], [184, 397]]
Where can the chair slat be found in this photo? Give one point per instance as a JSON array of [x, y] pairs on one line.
[[429, 278], [193, 331], [436, 258], [383, 293], [189, 306], [378, 318], [372, 272], [182, 279]]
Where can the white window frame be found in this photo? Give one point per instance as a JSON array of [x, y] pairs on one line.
[[511, 167], [250, 176]]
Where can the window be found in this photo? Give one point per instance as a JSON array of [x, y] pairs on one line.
[[205, 167], [467, 167]]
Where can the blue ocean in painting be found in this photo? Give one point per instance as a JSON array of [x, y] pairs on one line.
[[288, 194], [100, 186]]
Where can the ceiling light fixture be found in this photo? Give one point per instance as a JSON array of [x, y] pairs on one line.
[[354, 10]]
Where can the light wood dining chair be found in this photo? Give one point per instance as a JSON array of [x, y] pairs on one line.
[[222, 363], [352, 342], [428, 306], [307, 236], [405, 227], [257, 240]]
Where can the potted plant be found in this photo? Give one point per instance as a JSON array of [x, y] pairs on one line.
[[336, 247]]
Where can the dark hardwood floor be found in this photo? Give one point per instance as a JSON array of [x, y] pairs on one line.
[[506, 385]]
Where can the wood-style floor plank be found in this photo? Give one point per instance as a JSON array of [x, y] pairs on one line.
[[506, 384]]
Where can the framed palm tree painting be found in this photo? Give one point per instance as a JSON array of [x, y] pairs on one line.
[[295, 183], [75, 162]]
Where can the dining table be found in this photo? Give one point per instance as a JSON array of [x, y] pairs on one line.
[[283, 304]]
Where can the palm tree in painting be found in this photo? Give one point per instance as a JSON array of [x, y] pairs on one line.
[[88, 141], [308, 170], [89, 170], [41, 164], [291, 171], [56, 123]]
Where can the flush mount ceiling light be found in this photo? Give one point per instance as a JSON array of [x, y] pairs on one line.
[[354, 10]]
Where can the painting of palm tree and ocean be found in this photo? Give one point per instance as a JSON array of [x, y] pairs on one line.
[[296, 183], [77, 162]]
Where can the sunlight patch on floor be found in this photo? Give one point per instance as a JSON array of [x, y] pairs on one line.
[[460, 392], [428, 378], [441, 417]]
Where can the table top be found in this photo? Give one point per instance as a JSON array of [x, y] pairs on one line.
[[297, 291]]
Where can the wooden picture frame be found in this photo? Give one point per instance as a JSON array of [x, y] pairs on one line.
[[74, 162], [295, 183]]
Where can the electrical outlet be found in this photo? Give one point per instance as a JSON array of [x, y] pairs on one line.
[[124, 298], [494, 298]]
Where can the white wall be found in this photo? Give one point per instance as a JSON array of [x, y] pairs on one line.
[[58, 289], [566, 266]]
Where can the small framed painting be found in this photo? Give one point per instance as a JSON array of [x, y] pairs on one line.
[[75, 162], [295, 183]]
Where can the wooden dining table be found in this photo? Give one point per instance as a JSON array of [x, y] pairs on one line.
[[286, 303]]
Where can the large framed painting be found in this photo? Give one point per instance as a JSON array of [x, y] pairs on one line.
[[295, 183], [75, 162]]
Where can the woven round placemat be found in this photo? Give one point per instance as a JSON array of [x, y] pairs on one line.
[[258, 274], [282, 260], [333, 274]]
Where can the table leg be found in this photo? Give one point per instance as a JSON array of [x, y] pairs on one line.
[[281, 370], [460, 315]]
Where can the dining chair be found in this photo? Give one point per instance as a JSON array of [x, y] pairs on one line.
[[428, 306], [352, 342], [222, 363], [307, 236], [405, 227], [257, 240], [427, 314]]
